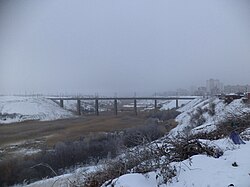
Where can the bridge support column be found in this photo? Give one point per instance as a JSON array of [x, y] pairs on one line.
[[61, 103], [135, 107], [115, 107], [78, 107], [155, 105], [177, 105], [96, 107]]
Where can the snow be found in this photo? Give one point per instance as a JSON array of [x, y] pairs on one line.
[[246, 134], [191, 104], [200, 170], [17, 108], [165, 104], [184, 119], [30, 151], [172, 104], [222, 111], [134, 180], [65, 180], [203, 171]]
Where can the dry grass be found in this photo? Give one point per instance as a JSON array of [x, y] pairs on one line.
[[66, 129]]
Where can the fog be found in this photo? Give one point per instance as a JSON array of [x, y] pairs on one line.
[[121, 47]]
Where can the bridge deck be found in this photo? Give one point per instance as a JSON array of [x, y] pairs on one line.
[[122, 98]]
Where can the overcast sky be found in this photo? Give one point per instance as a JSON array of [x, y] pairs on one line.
[[122, 46]]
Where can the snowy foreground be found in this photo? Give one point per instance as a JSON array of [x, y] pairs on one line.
[[17, 109], [231, 169], [198, 171], [201, 170]]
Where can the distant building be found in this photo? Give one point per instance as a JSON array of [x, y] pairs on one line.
[[201, 91], [214, 86], [182, 92], [236, 89], [193, 90]]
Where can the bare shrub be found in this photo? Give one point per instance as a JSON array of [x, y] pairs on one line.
[[64, 155], [13, 171], [141, 135], [163, 115], [237, 123], [197, 118], [233, 122], [199, 111], [211, 109], [170, 124], [183, 147], [139, 160], [5, 116]]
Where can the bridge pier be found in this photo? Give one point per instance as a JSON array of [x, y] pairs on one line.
[[135, 107], [177, 105], [115, 107], [96, 107], [61, 103], [155, 105], [78, 107]]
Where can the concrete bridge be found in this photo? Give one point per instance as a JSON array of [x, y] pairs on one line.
[[115, 99]]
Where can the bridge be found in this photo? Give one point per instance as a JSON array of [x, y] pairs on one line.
[[115, 99]]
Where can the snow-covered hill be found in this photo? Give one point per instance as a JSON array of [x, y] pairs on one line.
[[17, 108], [207, 121]]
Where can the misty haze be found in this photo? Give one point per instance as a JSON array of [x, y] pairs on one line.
[[108, 47], [117, 93]]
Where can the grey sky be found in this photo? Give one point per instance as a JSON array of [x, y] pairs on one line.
[[122, 46]]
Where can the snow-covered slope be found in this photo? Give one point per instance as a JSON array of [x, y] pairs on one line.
[[65, 180], [16, 109], [172, 104], [200, 170], [209, 122], [203, 171]]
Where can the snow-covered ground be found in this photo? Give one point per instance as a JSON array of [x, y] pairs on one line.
[[200, 171], [17, 108], [65, 180]]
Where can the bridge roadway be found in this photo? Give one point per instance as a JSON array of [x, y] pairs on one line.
[[115, 99]]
